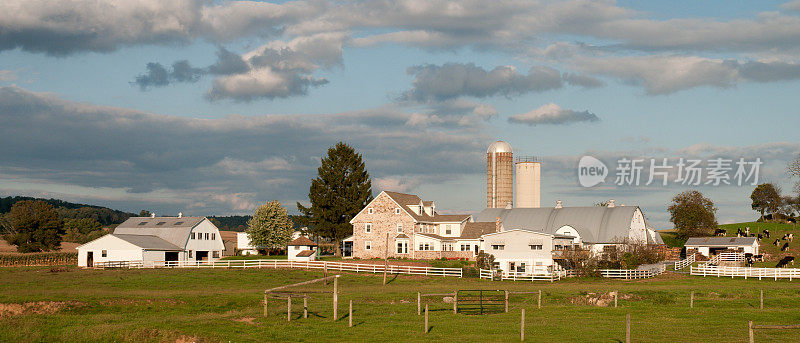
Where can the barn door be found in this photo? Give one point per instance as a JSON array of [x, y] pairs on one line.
[[90, 259]]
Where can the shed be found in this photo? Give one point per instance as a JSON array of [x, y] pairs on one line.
[[301, 249], [711, 246]]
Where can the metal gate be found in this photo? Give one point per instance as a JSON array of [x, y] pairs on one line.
[[480, 301]]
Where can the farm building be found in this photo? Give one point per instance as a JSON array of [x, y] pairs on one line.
[[244, 247], [711, 246], [523, 251], [301, 249], [155, 239]]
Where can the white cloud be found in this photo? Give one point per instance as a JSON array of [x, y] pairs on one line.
[[7, 76], [552, 114]]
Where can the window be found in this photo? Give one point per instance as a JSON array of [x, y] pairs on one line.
[[104, 253], [397, 211], [511, 266], [368, 227], [447, 229], [400, 228], [464, 247], [402, 247], [369, 210], [213, 236], [142, 223], [161, 223], [536, 247], [498, 247], [193, 235], [190, 254], [521, 267], [206, 235], [178, 223], [559, 247], [368, 245], [215, 254]]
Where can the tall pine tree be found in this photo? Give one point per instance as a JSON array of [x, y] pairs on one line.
[[341, 189]]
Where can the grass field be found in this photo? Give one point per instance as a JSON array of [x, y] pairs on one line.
[[225, 305]]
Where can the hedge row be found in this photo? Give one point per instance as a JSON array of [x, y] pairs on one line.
[[39, 259]]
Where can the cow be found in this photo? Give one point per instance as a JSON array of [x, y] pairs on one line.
[[747, 231], [766, 233], [739, 232], [760, 237], [720, 232], [748, 262], [784, 261], [790, 237], [777, 242], [759, 257], [785, 246]]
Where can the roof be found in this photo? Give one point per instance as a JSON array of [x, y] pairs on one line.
[[474, 230], [653, 237], [148, 242], [228, 235], [720, 241], [406, 200], [595, 224], [305, 253], [174, 230], [499, 146], [450, 217], [302, 240], [434, 236], [402, 235]]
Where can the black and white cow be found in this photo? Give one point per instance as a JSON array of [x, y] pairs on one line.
[[720, 232], [785, 246], [765, 232], [784, 261]]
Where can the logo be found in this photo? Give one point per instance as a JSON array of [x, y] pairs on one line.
[[591, 171]]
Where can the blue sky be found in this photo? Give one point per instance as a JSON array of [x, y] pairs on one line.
[[242, 98]]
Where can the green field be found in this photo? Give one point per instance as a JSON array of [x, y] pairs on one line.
[[225, 305]]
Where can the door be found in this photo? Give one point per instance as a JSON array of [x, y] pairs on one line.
[[90, 259], [170, 256], [202, 255]]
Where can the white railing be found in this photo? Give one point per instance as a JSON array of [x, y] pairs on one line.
[[685, 262], [341, 266], [522, 276], [725, 256], [634, 273], [746, 272], [486, 274]]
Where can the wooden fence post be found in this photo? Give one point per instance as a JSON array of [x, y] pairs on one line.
[[426, 318], [419, 303], [628, 328], [540, 298], [325, 269], [350, 314], [335, 298], [289, 308], [305, 307], [615, 298], [522, 327], [691, 300], [750, 331], [761, 307], [506, 300], [455, 302]]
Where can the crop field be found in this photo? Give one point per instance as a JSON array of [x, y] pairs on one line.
[[184, 305]]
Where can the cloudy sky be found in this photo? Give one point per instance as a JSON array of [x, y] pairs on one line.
[[211, 107]]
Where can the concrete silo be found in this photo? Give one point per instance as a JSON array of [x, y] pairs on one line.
[[499, 175], [528, 182]]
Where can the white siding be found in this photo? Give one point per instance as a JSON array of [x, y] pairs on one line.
[[516, 248], [116, 250], [200, 243]]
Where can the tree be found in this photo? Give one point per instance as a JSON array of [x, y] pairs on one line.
[[35, 226], [270, 227], [82, 230], [693, 214], [144, 213], [341, 189], [766, 198]]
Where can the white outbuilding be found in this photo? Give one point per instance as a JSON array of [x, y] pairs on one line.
[[301, 249], [711, 246], [155, 239]]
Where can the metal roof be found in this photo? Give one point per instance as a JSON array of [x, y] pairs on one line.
[[171, 229], [148, 242], [499, 146], [595, 224], [720, 241], [474, 230]]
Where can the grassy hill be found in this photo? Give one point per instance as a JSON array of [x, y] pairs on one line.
[[777, 230]]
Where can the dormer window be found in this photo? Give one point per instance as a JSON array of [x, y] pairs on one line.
[[369, 210], [142, 223], [161, 223]]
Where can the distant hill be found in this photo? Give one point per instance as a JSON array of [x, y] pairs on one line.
[[70, 210]]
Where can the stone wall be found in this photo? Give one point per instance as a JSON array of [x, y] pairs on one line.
[[434, 255], [383, 220]]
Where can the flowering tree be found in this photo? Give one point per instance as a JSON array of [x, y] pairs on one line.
[[270, 227]]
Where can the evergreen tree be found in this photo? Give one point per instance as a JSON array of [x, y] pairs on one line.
[[270, 227], [35, 226], [341, 189]]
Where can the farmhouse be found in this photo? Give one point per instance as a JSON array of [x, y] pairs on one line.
[[412, 228], [155, 239], [711, 246]]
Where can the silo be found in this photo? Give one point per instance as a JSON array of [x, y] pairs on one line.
[[499, 175], [528, 182]]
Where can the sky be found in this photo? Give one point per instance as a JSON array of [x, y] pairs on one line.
[[214, 107]]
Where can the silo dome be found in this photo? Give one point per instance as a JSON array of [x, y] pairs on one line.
[[499, 146]]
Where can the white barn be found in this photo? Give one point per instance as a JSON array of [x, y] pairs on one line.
[[301, 249], [711, 246], [155, 239]]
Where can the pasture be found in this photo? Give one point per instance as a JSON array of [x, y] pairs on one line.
[[182, 305]]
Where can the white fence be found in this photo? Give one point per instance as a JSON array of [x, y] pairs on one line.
[[685, 262], [726, 257], [746, 272], [517, 276], [342, 266], [633, 273], [559, 274]]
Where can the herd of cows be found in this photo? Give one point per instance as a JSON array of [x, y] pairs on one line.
[[750, 258]]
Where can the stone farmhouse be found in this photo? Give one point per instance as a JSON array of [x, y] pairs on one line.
[[155, 239], [404, 226]]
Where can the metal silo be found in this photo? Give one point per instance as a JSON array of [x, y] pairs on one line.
[[528, 182], [499, 175]]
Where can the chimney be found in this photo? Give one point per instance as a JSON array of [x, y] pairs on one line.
[[180, 214], [152, 215], [497, 224], [558, 204], [611, 203]]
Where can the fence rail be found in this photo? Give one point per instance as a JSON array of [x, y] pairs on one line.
[[746, 272], [685, 262], [341, 266]]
